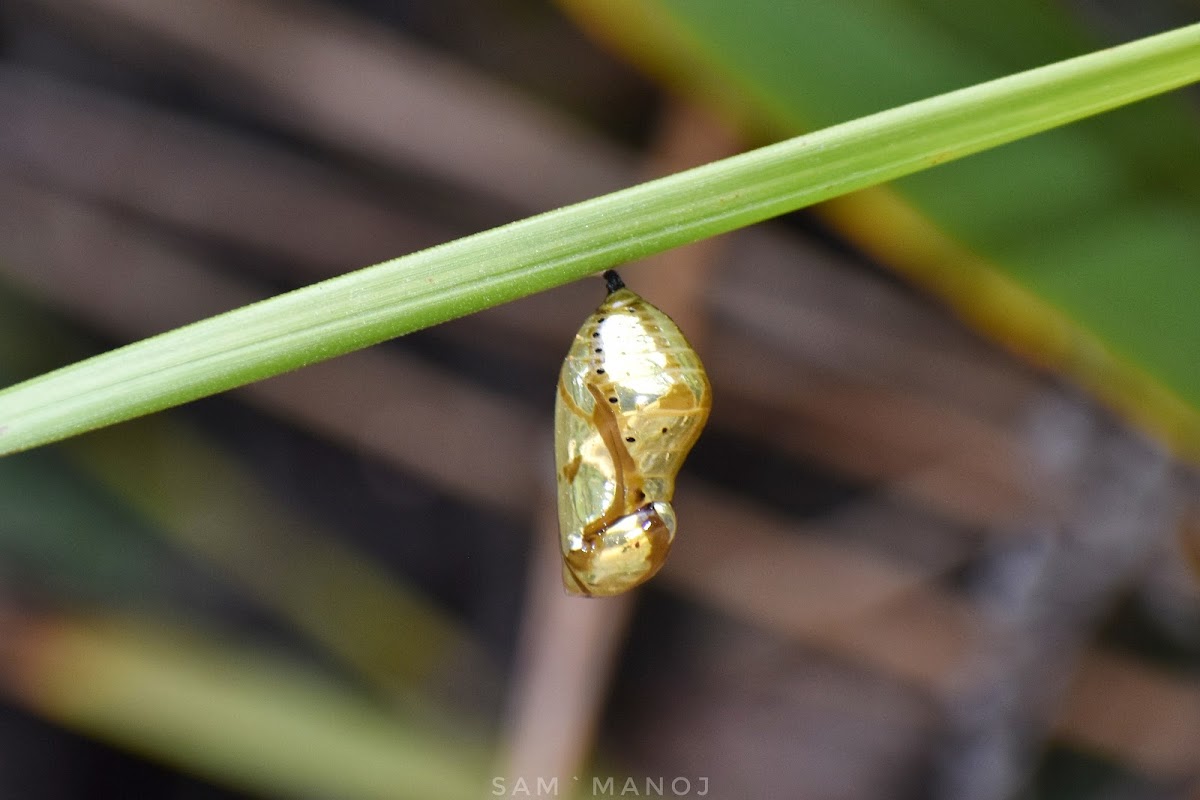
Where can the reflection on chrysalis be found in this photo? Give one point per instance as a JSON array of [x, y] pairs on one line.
[[632, 400]]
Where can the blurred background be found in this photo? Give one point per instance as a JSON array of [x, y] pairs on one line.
[[920, 554]]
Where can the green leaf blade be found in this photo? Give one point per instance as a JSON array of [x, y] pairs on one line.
[[399, 296]]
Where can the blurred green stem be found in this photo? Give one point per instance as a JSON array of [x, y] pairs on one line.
[[238, 716]]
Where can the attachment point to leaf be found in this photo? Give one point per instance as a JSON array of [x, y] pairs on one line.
[[614, 281]]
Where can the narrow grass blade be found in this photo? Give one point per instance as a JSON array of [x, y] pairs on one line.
[[490, 268]]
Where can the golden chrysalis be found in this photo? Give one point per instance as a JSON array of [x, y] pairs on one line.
[[632, 400]]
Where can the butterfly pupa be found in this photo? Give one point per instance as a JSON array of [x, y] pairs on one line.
[[632, 400]]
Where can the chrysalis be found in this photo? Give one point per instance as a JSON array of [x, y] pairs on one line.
[[632, 400]]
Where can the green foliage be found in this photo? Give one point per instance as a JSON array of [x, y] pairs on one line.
[[1076, 247], [470, 274]]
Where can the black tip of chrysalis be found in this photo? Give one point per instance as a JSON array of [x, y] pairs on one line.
[[613, 280]]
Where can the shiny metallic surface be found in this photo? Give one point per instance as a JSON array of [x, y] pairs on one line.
[[632, 400]]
